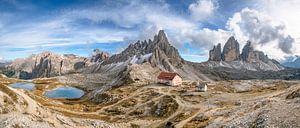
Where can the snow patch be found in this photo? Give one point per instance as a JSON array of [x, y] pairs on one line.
[[140, 59]]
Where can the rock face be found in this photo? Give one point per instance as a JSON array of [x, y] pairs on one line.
[[46, 64], [158, 52], [249, 59], [215, 54], [250, 55], [231, 50], [99, 56]]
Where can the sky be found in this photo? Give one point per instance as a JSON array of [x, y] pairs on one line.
[[192, 26]]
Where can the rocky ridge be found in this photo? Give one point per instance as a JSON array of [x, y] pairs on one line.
[[249, 59], [46, 64], [295, 63], [158, 53]]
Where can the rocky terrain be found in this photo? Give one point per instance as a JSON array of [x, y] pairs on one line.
[[246, 103]]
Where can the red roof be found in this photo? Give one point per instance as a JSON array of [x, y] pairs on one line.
[[167, 75]]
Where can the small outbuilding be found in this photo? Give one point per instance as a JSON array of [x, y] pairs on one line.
[[169, 78], [201, 87]]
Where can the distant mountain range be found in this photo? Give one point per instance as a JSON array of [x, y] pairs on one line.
[[295, 63], [154, 55]]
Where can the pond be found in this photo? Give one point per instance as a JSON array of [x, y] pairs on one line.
[[64, 93], [26, 86]]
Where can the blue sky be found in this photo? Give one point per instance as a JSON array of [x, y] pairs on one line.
[[193, 26]]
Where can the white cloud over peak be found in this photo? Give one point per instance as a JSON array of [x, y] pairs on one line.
[[206, 38], [261, 29], [202, 9], [274, 25], [288, 12]]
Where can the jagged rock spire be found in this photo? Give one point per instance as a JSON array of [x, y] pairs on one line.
[[250, 55], [231, 50], [215, 53]]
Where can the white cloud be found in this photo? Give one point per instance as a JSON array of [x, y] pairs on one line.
[[145, 16], [64, 29], [261, 29], [56, 32], [134, 20], [202, 9], [288, 13], [206, 38]]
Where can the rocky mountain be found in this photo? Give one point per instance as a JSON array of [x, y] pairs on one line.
[[249, 59], [231, 50], [159, 53], [295, 63], [99, 56], [46, 64], [152, 56], [215, 54], [251, 56]]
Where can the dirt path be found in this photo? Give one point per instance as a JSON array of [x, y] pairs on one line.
[[136, 92], [32, 105]]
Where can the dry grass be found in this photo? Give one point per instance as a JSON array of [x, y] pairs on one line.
[[9, 92]]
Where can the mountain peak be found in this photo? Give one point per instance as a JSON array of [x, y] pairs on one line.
[[161, 37], [215, 53], [231, 50], [231, 38], [161, 33]]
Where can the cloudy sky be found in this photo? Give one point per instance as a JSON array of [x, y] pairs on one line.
[[192, 26]]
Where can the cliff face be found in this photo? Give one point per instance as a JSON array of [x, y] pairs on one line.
[[249, 59], [215, 54], [47, 64], [231, 50], [250, 55], [159, 53]]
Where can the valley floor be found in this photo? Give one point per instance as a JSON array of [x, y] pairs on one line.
[[251, 103]]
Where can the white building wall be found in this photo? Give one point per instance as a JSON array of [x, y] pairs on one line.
[[176, 81]]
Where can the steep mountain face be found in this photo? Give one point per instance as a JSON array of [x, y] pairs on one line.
[[231, 50], [215, 54], [249, 59], [158, 52], [293, 64], [250, 55], [46, 64]]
